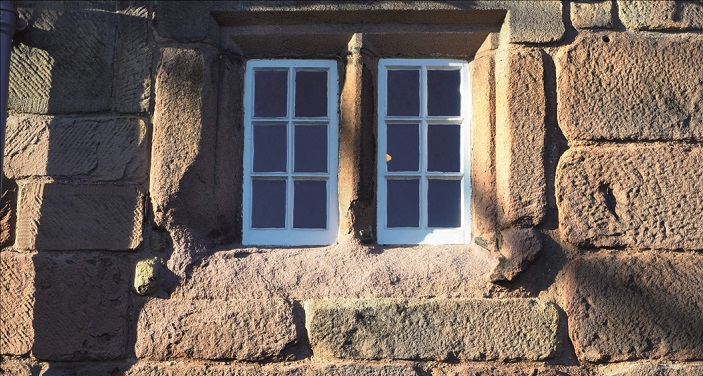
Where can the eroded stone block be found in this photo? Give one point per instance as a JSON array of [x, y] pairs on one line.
[[661, 14], [518, 247], [479, 329], [17, 277], [631, 196], [592, 14]]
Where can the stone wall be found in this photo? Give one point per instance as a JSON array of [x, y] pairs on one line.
[[121, 203]]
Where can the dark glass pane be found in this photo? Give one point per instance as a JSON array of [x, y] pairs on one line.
[[311, 148], [310, 94], [310, 204], [403, 199], [403, 142], [443, 143], [270, 93], [268, 204], [270, 148], [443, 93], [444, 203], [403, 92]]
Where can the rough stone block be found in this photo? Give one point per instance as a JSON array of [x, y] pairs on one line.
[[241, 369], [241, 329], [629, 306], [483, 179], [661, 14], [631, 86], [65, 61], [592, 14], [17, 277], [133, 60], [57, 216], [653, 369], [97, 149], [520, 137], [8, 212], [13, 368], [518, 247], [534, 21], [478, 329], [631, 196]]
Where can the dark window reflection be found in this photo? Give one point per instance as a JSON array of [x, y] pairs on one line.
[[311, 148], [403, 198], [270, 148], [310, 204], [403, 92], [403, 142], [270, 93], [310, 94], [443, 143], [268, 203], [443, 92], [444, 203]]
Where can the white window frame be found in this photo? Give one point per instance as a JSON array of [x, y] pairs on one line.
[[424, 234], [290, 236]]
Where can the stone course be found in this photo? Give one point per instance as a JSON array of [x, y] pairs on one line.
[[632, 196], [58, 216], [623, 86], [520, 329], [238, 329], [624, 306]]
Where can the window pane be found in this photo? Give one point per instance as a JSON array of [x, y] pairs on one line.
[[443, 92], [311, 148], [403, 198], [268, 203], [444, 203], [403, 145], [443, 147], [270, 93], [403, 92], [270, 148], [310, 94], [310, 204]]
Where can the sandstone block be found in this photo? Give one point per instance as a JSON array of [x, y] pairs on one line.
[[661, 15], [479, 329], [520, 137], [241, 329], [57, 216], [631, 196], [8, 212], [11, 368], [195, 369], [17, 277], [534, 21], [592, 14], [98, 149], [65, 63], [647, 369], [518, 247], [629, 306], [631, 86], [133, 60]]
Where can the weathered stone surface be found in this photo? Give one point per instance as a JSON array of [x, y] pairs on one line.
[[146, 276], [76, 307], [133, 60], [16, 303], [12, 368], [506, 369], [340, 369], [8, 212], [606, 91], [653, 369], [518, 247], [592, 14], [342, 271], [483, 165], [520, 137], [479, 329], [97, 149], [661, 15], [534, 21], [239, 329], [631, 196], [629, 306], [65, 61], [57, 216]]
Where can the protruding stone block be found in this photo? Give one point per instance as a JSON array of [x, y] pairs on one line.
[[97, 149], [592, 14], [631, 86], [518, 247], [57, 216], [661, 14], [480, 329], [239, 329], [629, 306], [520, 137], [631, 196]]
